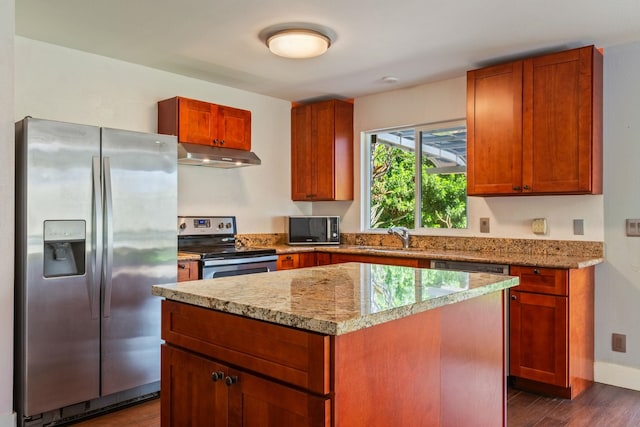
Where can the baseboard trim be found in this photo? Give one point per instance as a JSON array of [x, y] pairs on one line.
[[617, 375], [8, 419]]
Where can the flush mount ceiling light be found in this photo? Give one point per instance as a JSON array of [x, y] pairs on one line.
[[298, 43]]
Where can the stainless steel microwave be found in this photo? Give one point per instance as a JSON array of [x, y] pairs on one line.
[[313, 230]]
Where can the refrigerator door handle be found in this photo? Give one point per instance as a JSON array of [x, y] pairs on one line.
[[94, 286], [108, 237]]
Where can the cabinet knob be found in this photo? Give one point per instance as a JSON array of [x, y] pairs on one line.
[[288, 257], [231, 380], [222, 142], [217, 376], [215, 141], [514, 297], [536, 271], [525, 187], [516, 188], [182, 266]]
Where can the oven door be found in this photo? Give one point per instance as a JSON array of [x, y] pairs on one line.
[[212, 268]]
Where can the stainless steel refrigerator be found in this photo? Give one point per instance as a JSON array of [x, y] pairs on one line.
[[96, 211]]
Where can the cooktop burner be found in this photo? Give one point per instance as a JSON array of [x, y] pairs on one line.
[[206, 252]]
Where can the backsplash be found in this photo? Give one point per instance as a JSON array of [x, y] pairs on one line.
[[474, 244]]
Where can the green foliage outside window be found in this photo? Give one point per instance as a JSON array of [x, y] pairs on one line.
[[444, 199]]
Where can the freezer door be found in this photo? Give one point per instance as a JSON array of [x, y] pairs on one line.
[[57, 333], [140, 174]]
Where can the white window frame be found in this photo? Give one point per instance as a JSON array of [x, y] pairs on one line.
[[366, 193]]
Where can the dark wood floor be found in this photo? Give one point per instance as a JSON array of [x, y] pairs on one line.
[[600, 405]]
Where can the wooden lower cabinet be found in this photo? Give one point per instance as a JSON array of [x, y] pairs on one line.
[[439, 367], [552, 330], [337, 258], [296, 260], [187, 270], [207, 393], [190, 391]]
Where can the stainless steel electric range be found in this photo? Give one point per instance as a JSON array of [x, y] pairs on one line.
[[213, 238]]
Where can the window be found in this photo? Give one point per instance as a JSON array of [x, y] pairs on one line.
[[400, 196]]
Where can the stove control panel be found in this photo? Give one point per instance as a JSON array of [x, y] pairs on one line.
[[206, 225]]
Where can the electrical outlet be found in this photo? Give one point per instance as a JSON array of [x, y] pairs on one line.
[[484, 225], [619, 343], [578, 227]]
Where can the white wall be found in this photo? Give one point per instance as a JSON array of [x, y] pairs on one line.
[[7, 7], [57, 83], [618, 279]]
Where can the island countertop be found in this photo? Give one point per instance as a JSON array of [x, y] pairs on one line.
[[335, 299]]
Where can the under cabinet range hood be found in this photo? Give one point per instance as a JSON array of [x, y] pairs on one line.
[[215, 157]]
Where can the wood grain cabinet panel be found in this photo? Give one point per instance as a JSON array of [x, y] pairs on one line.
[[219, 369], [322, 151], [207, 393], [199, 122], [535, 126], [296, 260], [374, 259], [551, 330], [187, 270]]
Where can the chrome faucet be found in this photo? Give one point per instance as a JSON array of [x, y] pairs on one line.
[[402, 233]]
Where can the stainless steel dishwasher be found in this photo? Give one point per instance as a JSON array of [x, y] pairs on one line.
[[471, 267]]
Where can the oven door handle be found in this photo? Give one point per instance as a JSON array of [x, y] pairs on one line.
[[236, 261]]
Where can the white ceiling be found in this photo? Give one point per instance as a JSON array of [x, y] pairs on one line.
[[416, 41]]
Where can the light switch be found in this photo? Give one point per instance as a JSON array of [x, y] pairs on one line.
[[633, 227], [484, 225], [539, 226]]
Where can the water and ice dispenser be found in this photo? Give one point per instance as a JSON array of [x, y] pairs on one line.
[[64, 248]]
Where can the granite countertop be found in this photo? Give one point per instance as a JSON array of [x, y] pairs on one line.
[[186, 256], [493, 257], [335, 299]]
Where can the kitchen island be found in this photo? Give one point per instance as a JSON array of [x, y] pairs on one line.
[[341, 345]]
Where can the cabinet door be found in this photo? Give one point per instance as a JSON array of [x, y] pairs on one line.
[[198, 122], [372, 259], [288, 262], [307, 259], [254, 401], [322, 149], [494, 130], [187, 270], [191, 392], [538, 338], [234, 128], [302, 161], [558, 122], [323, 258]]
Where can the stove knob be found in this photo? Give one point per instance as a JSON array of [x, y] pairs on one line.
[[228, 225], [221, 225], [183, 226]]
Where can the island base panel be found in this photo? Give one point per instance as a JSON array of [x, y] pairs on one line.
[[442, 367]]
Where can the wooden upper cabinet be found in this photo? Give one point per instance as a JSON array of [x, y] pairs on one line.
[[322, 151], [494, 129], [535, 126], [199, 122]]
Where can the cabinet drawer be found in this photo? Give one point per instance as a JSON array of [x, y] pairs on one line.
[[297, 357], [550, 281]]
